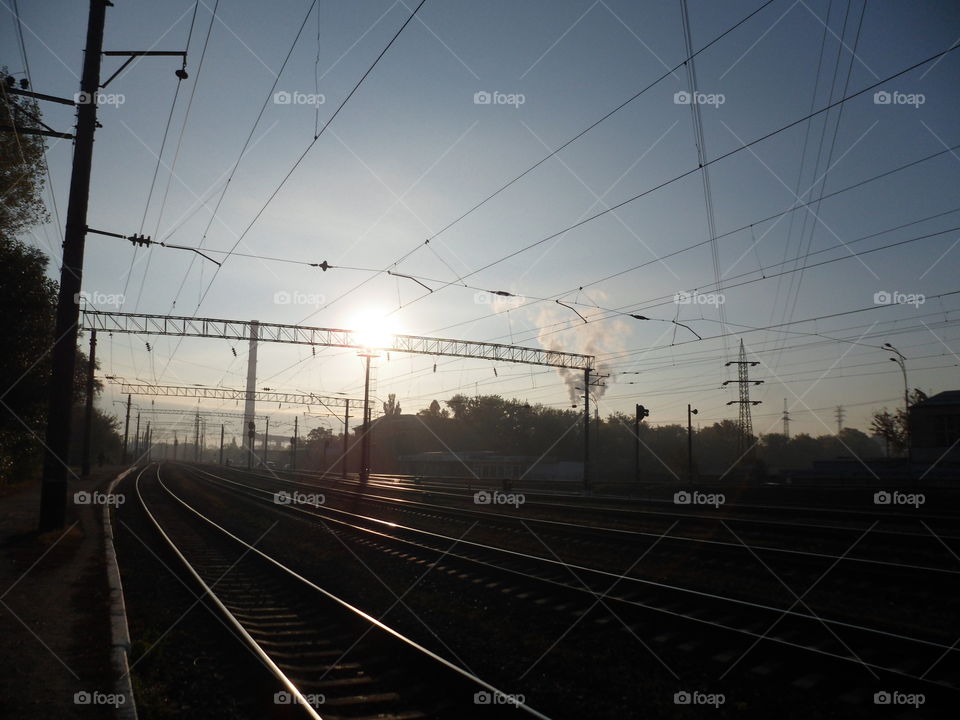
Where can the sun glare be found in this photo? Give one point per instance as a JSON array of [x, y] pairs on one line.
[[373, 329]]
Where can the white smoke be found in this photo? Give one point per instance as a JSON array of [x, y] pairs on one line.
[[561, 330]]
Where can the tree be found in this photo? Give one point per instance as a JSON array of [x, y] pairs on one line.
[[434, 411], [22, 168], [391, 408], [891, 428]]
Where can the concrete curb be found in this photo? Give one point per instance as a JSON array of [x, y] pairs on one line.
[[119, 632]]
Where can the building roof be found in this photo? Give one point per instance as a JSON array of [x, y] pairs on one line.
[[948, 397]]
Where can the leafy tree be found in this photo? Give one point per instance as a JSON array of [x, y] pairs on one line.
[[22, 170], [391, 408]]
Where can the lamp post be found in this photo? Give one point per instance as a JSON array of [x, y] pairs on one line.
[[902, 362], [690, 413]]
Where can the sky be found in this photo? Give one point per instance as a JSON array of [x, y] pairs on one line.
[[468, 97]]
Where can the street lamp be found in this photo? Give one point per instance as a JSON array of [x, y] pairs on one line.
[[902, 362], [690, 413]]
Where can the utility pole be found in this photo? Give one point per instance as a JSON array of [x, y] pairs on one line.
[[839, 414], [53, 495], [176, 442], [126, 430], [365, 438], [636, 445], [88, 410], [149, 441], [786, 420], [136, 452], [690, 413], [346, 437], [641, 413], [196, 437], [296, 439], [203, 437], [586, 430], [251, 435], [266, 439], [221, 443]]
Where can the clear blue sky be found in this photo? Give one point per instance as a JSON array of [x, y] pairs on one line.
[[412, 151]]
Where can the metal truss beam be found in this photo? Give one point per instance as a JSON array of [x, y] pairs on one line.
[[188, 391], [140, 324]]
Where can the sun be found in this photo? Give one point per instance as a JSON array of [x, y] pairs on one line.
[[373, 329]]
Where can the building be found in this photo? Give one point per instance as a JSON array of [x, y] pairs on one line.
[[935, 430]]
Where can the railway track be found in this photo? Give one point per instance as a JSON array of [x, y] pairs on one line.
[[893, 544], [334, 660], [787, 639]]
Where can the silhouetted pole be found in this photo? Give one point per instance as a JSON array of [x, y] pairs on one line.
[[149, 441], [365, 438], [221, 443], [586, 429], [296, 439], [88, 410], [346, 437], [126, 430], [636, 444], [251, 434], [136, 452], [266, 436], [690, 414], [53, 494]]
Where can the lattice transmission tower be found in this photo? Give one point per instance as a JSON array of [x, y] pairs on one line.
[[745, 447]]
